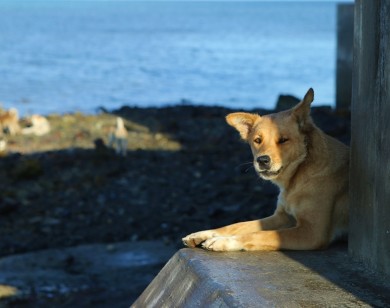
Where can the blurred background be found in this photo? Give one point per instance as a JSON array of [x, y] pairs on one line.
[[61, 56]]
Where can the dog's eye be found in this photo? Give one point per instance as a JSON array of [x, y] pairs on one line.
[[282, 140], [258, 140]]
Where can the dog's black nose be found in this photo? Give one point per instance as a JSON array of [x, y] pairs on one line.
[[263, 160]]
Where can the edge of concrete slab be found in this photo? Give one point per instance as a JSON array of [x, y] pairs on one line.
[[194, 277]]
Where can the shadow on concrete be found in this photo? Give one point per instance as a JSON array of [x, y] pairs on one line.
[[337, 267]]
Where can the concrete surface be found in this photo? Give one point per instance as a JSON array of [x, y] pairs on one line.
[[369, 235], [100, 275], [198, 278]]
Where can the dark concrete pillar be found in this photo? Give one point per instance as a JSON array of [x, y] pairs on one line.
[[344, 56], [369, 239]]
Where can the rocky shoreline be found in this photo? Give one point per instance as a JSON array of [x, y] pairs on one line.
[[185, 170]]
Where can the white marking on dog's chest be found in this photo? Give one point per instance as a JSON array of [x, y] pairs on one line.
[[288, 207], [291, 210]]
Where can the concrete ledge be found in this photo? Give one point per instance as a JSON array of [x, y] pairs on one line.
[[197, 278]]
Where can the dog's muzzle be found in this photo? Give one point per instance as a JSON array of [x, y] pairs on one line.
[[264, 162], [264, 167]]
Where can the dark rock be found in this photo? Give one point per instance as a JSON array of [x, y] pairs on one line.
[[285, 102], [27, 169], [8, 206]]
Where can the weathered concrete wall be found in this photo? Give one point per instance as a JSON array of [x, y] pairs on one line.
[[198, 278], [369, 238], [344, 55]]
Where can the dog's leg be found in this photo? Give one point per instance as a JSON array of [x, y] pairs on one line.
[[111, 140], [298, 238], [123, 146], [278, 220]]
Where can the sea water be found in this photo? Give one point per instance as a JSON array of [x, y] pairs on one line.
[[64, 56]]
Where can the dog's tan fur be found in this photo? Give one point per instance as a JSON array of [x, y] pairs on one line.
[[39, 126], [9, 122], [118, 137], [311, 170]]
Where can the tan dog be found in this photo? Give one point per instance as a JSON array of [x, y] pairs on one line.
[[9, 122], [118, 137], [311, 170], [39, 126]]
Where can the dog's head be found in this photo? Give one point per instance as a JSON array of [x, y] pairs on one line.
[[278, 141]]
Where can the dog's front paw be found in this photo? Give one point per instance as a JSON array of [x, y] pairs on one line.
[[223, 243], [197, 238]]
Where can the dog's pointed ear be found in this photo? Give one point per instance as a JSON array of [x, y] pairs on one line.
[[242, 121], [302, 110]]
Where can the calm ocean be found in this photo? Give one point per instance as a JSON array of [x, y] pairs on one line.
[[60, 56]]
